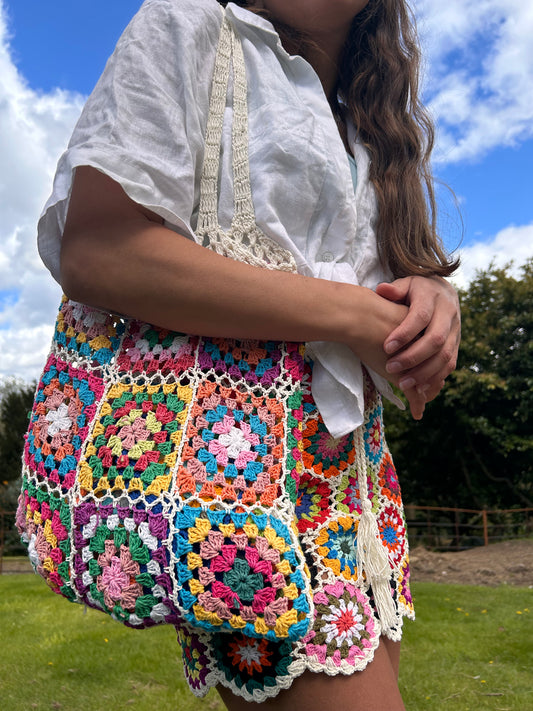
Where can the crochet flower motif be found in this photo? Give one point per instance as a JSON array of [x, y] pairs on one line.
[[243, 578], [117, 579], [194, 657], [347, 497], [133, 431], [243, 581], [342, 624], [322, 453], [233, 443], [61, 414], [374, 436], [250, 664], [343, 631], [250, 655], [388, 480], [392, 532], [404, 590], [312, 504], [58, 419], [337, 547]]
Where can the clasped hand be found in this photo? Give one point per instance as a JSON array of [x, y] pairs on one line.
[[422, 350]]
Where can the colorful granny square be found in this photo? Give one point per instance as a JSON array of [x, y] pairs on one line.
[[92, 334], [134, 442], [255, 362], [404, 591], [121, 561], [253, 668], [336, 546], [349, 497], [43, 520], [344, 630], [64, 407], [392, 532], [374, 435], [388, 480], [239, 571], [325, 455], [313, 503], [235, 447], [197, 663], [149, 350]]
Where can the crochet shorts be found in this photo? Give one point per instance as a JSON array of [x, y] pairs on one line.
[[346, 627]]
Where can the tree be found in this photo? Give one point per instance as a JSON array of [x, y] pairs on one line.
[[474, 447], [16, 399]]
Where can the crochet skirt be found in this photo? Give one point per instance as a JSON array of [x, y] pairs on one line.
[[346, 627]]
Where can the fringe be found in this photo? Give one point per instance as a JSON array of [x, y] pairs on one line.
[[372, 556]]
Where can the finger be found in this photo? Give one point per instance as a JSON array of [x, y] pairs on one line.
[[432, 390], [432, 302], [443, 334], [431, 372], [424, 364], [417, 319], [417, 403], [394, 291]]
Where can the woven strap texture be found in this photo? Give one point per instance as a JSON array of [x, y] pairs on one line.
[[244, 242]]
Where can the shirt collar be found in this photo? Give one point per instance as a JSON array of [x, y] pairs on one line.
[[243, 16]]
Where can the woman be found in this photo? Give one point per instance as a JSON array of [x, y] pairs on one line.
[[119, 233]]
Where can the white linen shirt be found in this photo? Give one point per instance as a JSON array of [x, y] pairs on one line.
[[144, 126]]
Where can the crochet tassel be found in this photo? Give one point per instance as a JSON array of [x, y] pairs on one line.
[[372, 557]]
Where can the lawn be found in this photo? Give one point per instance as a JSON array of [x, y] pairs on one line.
[[471, 649]]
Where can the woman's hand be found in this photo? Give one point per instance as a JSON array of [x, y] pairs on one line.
[[423, 349], [377, 318]]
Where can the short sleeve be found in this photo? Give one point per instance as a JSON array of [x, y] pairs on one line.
[[144, 123]]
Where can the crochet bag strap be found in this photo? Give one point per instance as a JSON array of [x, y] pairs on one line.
[[244, 242]]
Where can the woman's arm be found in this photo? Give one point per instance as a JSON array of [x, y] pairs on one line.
[[117, 255]]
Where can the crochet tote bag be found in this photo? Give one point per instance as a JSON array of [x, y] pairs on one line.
[[160, 470]]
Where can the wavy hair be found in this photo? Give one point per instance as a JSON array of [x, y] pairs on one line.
[[379, 84]]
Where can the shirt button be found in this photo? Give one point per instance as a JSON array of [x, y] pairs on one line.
[[327, 257]]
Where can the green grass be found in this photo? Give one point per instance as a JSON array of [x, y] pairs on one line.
[[55, 655], [469, 650]]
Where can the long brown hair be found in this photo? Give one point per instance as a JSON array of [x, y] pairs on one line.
[[378, 82]]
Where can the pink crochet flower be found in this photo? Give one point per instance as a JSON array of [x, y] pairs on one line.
[[117, 578], [132, 433], [343, 632]]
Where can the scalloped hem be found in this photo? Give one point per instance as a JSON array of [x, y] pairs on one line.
[[258, 670]]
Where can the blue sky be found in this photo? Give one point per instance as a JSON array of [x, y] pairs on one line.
[[65, 43], [478, 82]]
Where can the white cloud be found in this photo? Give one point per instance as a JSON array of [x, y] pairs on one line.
[[479, 73], [512, 244], [34, 129]]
